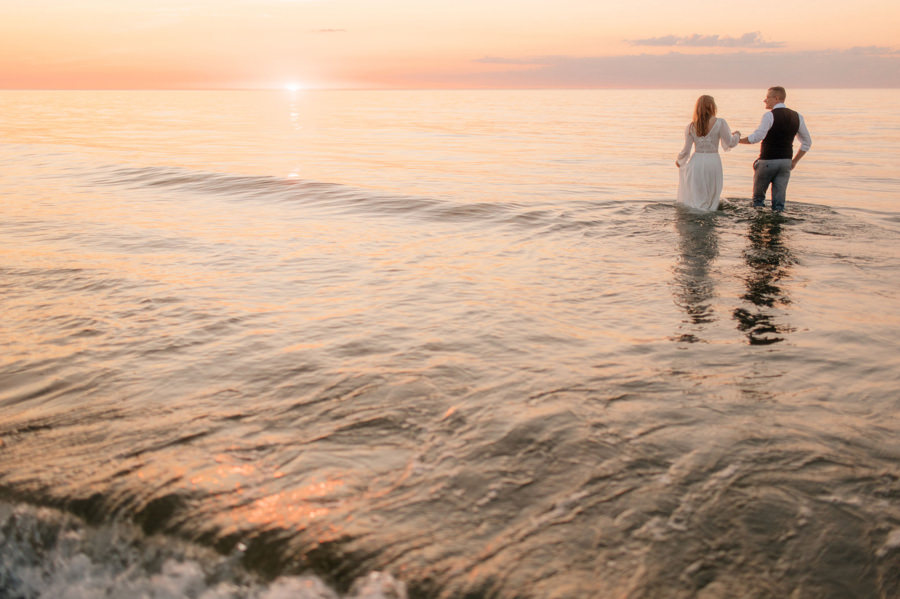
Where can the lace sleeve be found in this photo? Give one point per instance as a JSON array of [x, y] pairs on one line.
[[688, 142], [727, 138]]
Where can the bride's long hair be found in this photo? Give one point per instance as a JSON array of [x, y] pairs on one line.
[[704, 111]]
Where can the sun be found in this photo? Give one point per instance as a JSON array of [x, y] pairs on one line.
[[294, 86]]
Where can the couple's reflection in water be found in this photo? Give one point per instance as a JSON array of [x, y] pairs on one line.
[[694, 288], [768, 261]]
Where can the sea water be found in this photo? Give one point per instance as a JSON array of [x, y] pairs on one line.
[[443, 344]]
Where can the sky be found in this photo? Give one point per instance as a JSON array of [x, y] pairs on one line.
[[257, 44]]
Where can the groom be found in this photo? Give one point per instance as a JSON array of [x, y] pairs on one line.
[[776, 131]]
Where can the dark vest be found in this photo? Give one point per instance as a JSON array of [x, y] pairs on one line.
[[779, 141]]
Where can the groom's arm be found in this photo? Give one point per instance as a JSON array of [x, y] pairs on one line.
[[805, 142], [764, 125]]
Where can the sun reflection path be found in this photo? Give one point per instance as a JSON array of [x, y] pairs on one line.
[[253, 497]]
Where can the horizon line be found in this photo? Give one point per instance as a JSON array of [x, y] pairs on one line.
[[480, 88]]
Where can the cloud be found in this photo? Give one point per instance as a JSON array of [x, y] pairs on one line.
[[857, 67], [501, 60], [748, 40], [874, 50]]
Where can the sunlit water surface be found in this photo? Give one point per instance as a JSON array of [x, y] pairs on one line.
[[442, 344]]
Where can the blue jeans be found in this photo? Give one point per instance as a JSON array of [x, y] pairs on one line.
[[774, 172]]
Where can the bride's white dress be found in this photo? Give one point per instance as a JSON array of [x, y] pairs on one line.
[[700, 177]]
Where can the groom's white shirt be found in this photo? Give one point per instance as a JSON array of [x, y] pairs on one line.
[[768, 120]]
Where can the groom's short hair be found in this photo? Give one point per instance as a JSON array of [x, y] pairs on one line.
[[779, 93]]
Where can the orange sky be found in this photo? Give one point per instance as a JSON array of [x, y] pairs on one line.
[[458, 43]]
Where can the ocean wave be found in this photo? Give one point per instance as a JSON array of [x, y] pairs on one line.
[[345, 199]]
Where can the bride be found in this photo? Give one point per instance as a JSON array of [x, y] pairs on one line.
[[700, 177]]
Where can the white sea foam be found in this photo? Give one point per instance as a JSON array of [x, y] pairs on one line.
[[50, 555]]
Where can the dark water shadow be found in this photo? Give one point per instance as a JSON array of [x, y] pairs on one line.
[[769, 261], [698, 247]]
